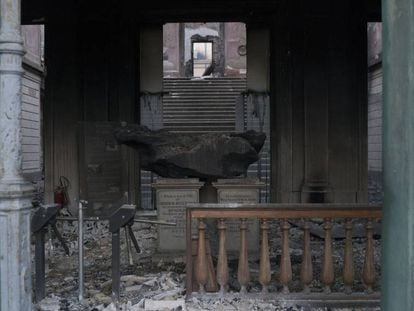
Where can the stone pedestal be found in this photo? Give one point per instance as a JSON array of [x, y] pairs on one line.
[[171, 197], [240, 190]]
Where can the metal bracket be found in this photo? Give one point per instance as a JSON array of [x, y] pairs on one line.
[[43, 217], [122, 217]]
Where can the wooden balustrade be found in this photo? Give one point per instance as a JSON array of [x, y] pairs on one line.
[[348, 273], [369, 269], [201, 261], [306, 272], [285, 264], [264, 271], [243, 273], [327, 275], [284, 212], [222, 266]]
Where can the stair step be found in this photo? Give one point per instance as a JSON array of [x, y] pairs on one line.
[[205, 101], [201, 105], [177, 118], [190, 129], [191, 101], [176, 94], [196, 110], [198, 124], [202, 131]]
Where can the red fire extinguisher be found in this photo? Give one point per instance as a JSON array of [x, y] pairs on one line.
[[60, 193]]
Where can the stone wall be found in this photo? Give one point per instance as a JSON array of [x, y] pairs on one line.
[[31, 118], [230, 54], [375, 188]]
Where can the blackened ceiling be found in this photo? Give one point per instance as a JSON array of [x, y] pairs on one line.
[[40, 11], [36, 11]]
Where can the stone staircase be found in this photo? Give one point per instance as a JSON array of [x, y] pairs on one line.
[[206, 106], [201, 105]]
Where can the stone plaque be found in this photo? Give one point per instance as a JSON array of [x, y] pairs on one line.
[[240, 190], [171, 197]]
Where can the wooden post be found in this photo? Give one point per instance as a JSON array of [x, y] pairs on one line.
[[243, 273], [348, 273], [222, 265], [306, 272], [327, 275], [264, 272], [285, 264], [201, 272], [368, 273], [189, 254]]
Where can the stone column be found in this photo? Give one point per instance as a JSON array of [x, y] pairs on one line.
[[398, 218], [15, 192]]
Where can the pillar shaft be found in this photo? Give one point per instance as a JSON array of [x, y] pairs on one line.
[[398, 218], [11, 54], [15, 192]]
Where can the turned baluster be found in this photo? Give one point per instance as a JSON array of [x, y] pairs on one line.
[[264, 273], [327, 275], [222, 266], [368, 273], [201, 271], [348, 273], [243, 273], [285, 264], [306, 272]]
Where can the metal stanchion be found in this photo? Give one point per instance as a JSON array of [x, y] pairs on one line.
[[80, 246], [128, 247]]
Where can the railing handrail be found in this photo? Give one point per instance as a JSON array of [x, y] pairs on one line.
[[284, 210]]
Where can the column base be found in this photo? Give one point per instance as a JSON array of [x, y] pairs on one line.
[[15, 254], [11, 188]]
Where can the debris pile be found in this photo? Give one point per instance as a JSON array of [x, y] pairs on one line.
[[153, 283]]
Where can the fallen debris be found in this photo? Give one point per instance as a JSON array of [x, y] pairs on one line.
[[164, 305], [156, 284]]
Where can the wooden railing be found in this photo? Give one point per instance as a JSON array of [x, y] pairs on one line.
[[284, 213]]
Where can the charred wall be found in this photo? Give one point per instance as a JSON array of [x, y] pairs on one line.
[[319, 100], [317, 83], [92, 76]]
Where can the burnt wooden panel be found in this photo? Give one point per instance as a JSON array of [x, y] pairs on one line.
[[92, 76], [62, 105], [281, 110], [348, 108], [101, 168], [319, 103], [316, 100], [95, 75]]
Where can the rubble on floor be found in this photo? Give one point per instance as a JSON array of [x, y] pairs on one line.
[[155, 284]]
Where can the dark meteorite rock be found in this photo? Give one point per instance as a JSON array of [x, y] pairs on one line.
[[205, 156]]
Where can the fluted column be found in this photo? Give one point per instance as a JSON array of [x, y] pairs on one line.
[[15, 192]]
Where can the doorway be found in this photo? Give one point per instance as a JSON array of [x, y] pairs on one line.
[[202, 56]]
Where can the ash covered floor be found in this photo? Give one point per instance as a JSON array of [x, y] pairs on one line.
[[157, 283]]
